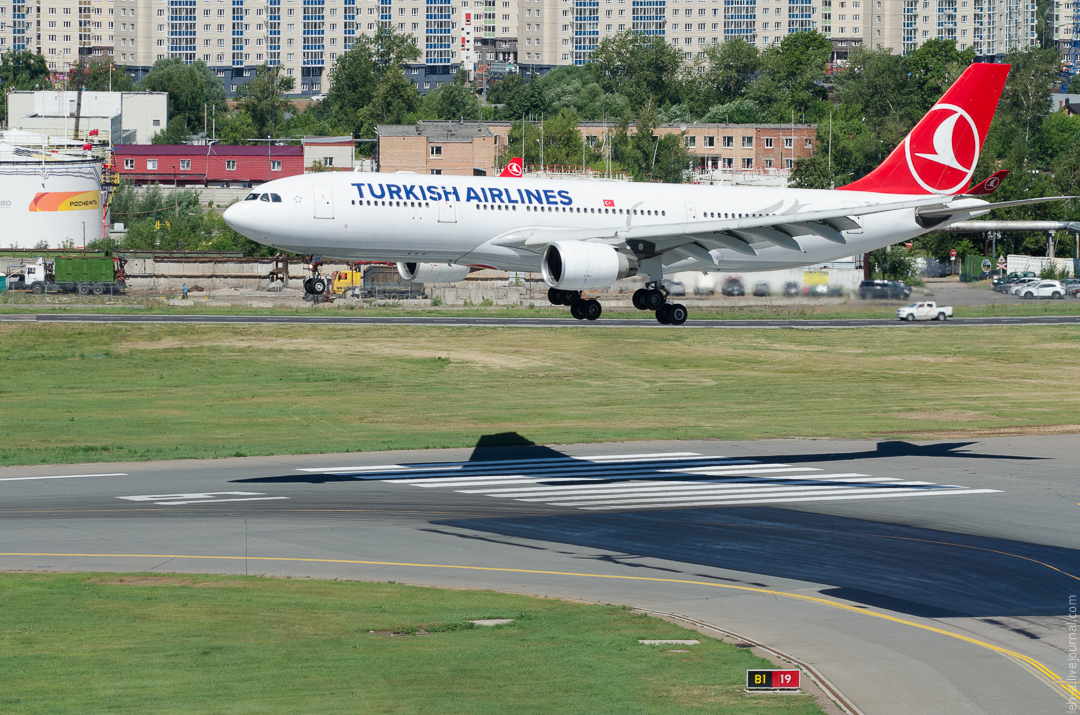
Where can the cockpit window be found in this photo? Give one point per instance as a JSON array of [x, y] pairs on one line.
[[265, 197], [275, 198], [251, 197]]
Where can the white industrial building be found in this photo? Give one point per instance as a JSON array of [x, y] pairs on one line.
[[119, 117]]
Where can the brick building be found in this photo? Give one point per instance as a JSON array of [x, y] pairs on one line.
[[453, 148], [472, 148], [188, 165]]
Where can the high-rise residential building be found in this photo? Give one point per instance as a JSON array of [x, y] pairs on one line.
[[305, 37], [992, 28], [61, 31], [1067, 32]]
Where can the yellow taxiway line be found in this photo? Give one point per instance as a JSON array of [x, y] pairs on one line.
[[1067, 689]]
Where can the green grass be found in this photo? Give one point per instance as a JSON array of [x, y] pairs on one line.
[[87, 392], [140, 643]]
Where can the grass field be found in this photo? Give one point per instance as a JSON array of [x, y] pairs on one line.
[[139, 643], [86, 392], [738, 310]]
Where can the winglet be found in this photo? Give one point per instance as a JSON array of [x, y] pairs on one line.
[[940, 154], [989, 185], [515, 169]]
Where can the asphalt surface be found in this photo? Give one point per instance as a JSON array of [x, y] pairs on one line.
[[534, 322], [917, 578]]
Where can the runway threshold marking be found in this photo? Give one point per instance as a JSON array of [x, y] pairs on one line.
[[650, 481], [62, 476], [200, 498], [1067, 689]]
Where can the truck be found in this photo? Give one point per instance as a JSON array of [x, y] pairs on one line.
[[77, 273], [924, 310]]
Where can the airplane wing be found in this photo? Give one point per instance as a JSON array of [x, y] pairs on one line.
[[743, 235]]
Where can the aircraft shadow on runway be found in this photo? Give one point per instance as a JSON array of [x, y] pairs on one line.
[[511, 446], [921, 572]]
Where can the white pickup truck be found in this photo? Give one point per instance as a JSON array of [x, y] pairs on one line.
[[924, 310]]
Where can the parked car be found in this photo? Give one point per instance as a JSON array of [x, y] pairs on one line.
[[791, 288], [924, 310], [1042, 289], [1001, 285], [990, 275], [818, 290], [1019, 284], [762, 290], [733, 285], [884, 289]]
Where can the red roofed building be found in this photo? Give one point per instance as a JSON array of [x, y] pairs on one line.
[[207, 165]]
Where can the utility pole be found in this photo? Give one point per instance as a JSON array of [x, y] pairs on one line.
[[176, 200]]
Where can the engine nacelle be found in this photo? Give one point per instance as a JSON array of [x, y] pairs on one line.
[[432, 272], [582, 265]]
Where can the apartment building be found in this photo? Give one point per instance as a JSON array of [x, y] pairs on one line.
[[59, 30], [305, 37], [1066, 31]]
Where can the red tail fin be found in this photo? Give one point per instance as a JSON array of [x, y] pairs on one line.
[[939, 155], [989, 185], [514, 169]]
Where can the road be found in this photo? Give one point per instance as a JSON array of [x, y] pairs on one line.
[[532, 322], [916, 578]]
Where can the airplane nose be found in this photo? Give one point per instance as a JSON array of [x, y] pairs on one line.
[[234, 217]]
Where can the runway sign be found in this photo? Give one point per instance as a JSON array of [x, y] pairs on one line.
[[772, 680]]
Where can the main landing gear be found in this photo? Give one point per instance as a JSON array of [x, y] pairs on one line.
[[587, 309], [653, 297]]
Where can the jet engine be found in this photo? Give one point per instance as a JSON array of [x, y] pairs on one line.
[[582, 265], [432, 272]]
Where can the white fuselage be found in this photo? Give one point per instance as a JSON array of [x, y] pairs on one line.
[[419, 218]]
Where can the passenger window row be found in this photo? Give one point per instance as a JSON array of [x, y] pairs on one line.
[[414, 204], [635, 212]]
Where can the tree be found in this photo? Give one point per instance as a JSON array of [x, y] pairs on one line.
[[235, 128], [361, 76], [792, 75], [893, 262], [453, 101], [99, 77], [396, 101], [664, 158], [264, 100], [194, 90], [21, 71], [641, 67], [174, 133], [728, 69]]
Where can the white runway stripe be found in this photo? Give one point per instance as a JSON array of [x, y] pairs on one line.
[[515, 480], [63, 476], [664, 487], [736, 491], [837, 497]]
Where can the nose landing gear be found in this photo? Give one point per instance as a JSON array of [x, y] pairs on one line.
[[654, 297]]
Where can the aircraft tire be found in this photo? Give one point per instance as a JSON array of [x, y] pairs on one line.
[[576, 309], [677, 313], [590, 309], [663, 314], [318, 286], [654, 299], [639, 299], [555, 296]]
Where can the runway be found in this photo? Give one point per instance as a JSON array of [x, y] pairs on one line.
[[802, 324], [916, 578]]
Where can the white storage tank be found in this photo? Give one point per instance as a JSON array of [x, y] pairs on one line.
[[49, 196]]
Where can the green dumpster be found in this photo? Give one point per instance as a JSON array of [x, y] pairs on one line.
[[3, 284]]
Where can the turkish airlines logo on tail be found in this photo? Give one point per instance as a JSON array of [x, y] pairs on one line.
[[514, 169], [943, 149]]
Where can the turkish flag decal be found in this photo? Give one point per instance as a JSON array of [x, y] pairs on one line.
[[608, 202]]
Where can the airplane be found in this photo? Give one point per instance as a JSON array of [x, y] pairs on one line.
[[586, 235]]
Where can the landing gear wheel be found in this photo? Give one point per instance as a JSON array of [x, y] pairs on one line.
[[307, 286], [590, 309], [676, 313], [98, 289], [318, 286], [577, 309], [663, 314], [84, 289], [639, 299], [555, 296], [654, 299]]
